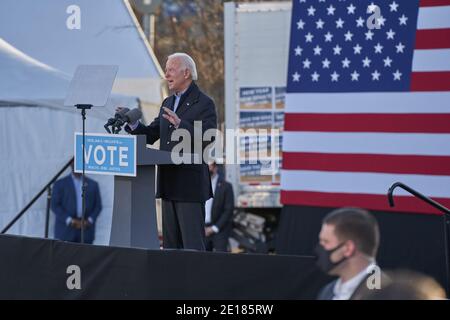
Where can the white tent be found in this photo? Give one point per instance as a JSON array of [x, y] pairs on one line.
[[39, 52], [36, 138], [108, 34]]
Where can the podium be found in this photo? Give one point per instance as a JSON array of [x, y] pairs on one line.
[[134, 210]]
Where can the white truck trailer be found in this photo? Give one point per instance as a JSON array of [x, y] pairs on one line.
[[256, 62]]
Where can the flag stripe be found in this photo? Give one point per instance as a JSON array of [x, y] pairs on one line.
[[434, 18], [431, 60], [373, 202], [433, 39], [347, 140], [404, 164], [434, 3], [367, 143], [430, 81], [368, 102], [419, 123], [362, 182]]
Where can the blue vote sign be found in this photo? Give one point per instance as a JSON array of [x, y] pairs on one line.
[[106, 154]]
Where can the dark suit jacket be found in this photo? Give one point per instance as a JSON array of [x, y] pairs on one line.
[[184, 182], [361, 292], [222, 206], [327, 292], [64, 205]]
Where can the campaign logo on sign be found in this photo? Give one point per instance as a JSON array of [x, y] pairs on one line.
[[106, 154]]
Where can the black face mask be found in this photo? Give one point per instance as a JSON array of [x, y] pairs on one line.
[[324, 258]]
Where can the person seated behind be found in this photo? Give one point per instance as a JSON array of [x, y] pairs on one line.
[[218, 212], [348, 244], [66, 203], [408, 285]]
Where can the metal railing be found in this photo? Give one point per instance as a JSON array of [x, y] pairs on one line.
[[446, 219], [48, 188]]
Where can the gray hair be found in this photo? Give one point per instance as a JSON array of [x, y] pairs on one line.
[[188, 62]]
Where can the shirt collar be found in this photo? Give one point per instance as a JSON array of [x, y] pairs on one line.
[[188, 89], [215, 178], [75, 178], [179, 94], [346, 289]]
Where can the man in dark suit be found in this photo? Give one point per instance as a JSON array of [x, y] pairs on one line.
[[183, 188], [349, 241], [66, 203], [219, 212]]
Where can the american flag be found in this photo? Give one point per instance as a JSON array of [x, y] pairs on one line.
[[367, 107]]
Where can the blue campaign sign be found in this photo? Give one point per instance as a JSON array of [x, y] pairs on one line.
[[106, 154]]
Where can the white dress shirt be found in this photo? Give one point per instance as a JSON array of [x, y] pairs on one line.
[[79, 199], [344, 291], [177, 100], [77, 185], [209, 202]]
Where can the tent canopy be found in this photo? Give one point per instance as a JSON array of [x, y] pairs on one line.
[[38, 56], [20, 73], [108, 34], [25, 81], [36, 135]]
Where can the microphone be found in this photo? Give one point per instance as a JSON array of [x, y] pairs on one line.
[[118, 115], [133, 115], [130, 117]]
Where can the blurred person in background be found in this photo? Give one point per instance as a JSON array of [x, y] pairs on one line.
[[348, 244], [218, 212], [66, 203], [408, 285]]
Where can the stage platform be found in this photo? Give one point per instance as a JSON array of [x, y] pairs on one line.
[[32, 268]]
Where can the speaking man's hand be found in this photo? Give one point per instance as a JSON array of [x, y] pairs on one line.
[[172, 117]]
